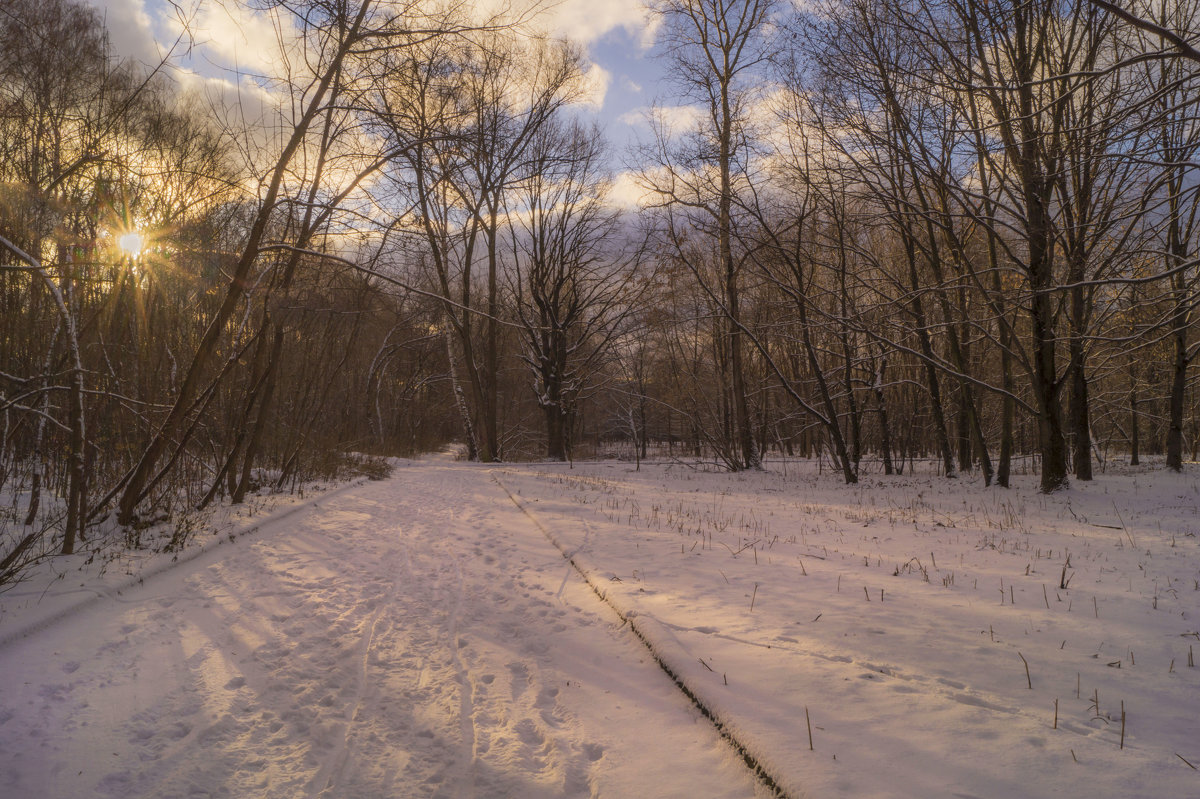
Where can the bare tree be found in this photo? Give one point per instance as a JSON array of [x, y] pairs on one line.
[[573, 284], [1146, 20], [462, 117], [1172, 134], [717, 49]]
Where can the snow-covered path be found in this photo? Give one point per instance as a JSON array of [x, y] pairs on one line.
[[424, 636], [412, 637]]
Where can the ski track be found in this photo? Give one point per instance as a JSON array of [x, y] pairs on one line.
[[399, 640]]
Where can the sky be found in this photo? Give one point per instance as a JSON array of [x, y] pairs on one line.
[[617, 35]]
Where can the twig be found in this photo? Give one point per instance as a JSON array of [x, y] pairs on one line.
[[1028, 679], [810, 742], [1128, 535]]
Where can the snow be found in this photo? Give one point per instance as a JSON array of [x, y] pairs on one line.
[[462, 630]]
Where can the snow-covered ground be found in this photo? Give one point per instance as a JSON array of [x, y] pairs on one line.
[[428, 636]]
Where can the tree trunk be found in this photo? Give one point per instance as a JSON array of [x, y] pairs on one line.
[[933, 387], [885, 436], [1081, 436], [750, 458], [556, 440], [460, 401], [1134, 443], [77, 483], [1008, 406], [1180, 322], [1175, 403], [491, 364], [77, 486], [840, 452], [254, 440], [1081, 439], [1051, 441], [931, 374]]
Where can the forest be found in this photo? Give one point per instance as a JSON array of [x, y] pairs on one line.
[[963, 232]]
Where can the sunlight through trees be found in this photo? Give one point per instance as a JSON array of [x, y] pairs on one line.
[[870, 231]]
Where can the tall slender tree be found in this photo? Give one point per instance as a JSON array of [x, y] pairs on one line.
[[717, 51]]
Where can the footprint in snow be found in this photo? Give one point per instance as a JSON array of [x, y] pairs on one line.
[[529, 733], [177, 730]]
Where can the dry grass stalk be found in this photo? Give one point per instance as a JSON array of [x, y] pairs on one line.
[[1122, 724]]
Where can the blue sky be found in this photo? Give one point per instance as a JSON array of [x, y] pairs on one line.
[[634, 80]]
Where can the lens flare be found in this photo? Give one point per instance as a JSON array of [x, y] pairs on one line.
[[131, 243]]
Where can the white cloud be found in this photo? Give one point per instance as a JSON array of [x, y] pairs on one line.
[[596, 81], [638, 116], [628, 191], [241, 37], [585, 21], [673, 119], [240, 104], [130, 29]]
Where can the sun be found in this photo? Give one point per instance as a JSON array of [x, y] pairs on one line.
[[131, 243]]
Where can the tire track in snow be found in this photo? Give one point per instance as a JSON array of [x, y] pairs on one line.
[[752, 762]]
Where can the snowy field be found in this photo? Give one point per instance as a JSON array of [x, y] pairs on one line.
[[427, 636]]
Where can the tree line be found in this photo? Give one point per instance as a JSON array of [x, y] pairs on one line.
[[872, 231]]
